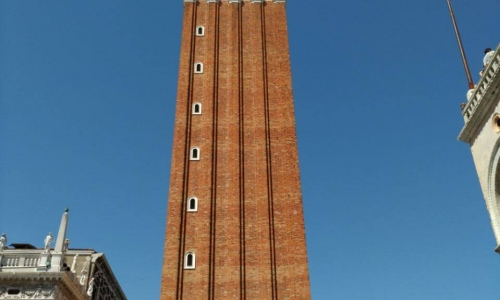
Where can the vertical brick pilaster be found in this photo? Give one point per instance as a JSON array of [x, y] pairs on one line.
[[172, 260], [227, 257], [258, 263], [291, 256]]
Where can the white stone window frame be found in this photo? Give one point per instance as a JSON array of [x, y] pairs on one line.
[[191, 266], [197, 104], [191, 199], [200, 30], [198, 68], [194, 153]]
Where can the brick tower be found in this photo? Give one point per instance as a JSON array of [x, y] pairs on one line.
[[235, 226]]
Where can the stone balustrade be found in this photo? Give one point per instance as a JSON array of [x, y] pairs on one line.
[[18, 260], [490, 73]]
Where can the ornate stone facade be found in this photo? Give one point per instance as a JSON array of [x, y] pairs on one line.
[[58, 273], [482, 132]]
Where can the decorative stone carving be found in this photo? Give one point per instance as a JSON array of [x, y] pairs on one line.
[[32, 291], [85, 272], [83, 276], [73, 265], [91, 287]]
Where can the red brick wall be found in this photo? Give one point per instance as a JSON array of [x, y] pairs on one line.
[[248, 233]]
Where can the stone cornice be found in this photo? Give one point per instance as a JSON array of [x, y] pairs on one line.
[[483, 101]]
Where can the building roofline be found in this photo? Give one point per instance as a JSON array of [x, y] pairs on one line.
[[482, 102]]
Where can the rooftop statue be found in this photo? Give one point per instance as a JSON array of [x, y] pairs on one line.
[[3, 241], [47, 242], [73, 265]]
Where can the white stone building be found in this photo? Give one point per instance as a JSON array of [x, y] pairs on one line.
[[58, 273], [482, 132]]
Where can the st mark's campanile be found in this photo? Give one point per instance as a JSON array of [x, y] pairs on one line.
[[235, 224]]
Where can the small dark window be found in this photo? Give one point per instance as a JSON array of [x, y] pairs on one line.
[[197, 108], [198, 68], [13, 291], [192, 204], [190, 262], [195, 153], [200, 31]]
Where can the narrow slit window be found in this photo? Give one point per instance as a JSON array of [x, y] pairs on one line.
[[190, 261], [192, 204], [195, 153], [197, 108], [200, 31], [198, 68]]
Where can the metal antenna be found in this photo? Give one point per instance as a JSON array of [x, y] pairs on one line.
[[460, 46]]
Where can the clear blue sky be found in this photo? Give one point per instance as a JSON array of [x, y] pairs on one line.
[[392, 202]]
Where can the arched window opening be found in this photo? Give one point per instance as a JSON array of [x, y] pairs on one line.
[[195, 153], [190, 261], [198, 68], [197, 108], [200, 31], [192, 204]]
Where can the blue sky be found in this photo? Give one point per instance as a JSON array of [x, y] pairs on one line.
[[392, 202]]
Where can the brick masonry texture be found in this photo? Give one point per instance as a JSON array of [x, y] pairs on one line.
[[248, 233]]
